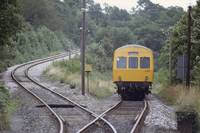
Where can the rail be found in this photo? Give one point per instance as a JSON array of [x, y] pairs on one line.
[[136, 126], [18, 82]]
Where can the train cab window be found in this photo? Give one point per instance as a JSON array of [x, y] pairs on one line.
[[133, 62], [144, 62], [121, 62]]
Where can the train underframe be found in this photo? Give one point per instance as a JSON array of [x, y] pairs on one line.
[[133, 90]]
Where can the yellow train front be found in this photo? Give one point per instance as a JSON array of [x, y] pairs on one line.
[[133, 71]]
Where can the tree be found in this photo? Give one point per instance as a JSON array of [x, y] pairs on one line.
[[180, 43], [169, 17], [152, 10], [150, 35], [40, 12], [95, 12], [119, 14], [11, 21]]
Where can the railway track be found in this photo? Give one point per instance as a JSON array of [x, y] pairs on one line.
[[125, 116], [63, 111], [20, 78]]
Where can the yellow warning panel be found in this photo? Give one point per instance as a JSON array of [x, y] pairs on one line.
[[88, 67]]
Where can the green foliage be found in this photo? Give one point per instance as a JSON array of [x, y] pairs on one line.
[[53, 22], [69, 71], [39, 13], [179, 42], [152, 10], [95, 12], [70, 66], [188, 114], [169, 17], [196, 72], [11, 21], [151, 30], [30, 44], [23, 44], [100, 56], [161, 77], [7, 107], [10, 24]]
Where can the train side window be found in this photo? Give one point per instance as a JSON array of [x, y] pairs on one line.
[[133, 62], [144, 62], [121, 62]]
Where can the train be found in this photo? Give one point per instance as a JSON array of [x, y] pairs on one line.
[[133, 70]]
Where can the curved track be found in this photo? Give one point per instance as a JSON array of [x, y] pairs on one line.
[[19, 78], [48, 97]]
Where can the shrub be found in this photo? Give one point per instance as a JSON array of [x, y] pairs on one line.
[[69, 71], [7, 107]]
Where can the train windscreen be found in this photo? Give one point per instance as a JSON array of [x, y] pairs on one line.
[[133, 62], [144, 62], [121, 62]]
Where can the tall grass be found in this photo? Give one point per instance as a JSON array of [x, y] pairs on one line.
[[177, 95], [69, 71], [183, 98]]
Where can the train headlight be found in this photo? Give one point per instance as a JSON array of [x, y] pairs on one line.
[[146, 78], [119, 77]]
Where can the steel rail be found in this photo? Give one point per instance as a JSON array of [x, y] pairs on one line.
[[90, 112], [18, 82], [101, 117], [40, 61], [139, 118]]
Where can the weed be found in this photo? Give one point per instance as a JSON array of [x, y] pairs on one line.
[[69, 72], [7, 107], [176, 95]]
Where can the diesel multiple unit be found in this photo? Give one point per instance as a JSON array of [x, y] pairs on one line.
[[133, 71]]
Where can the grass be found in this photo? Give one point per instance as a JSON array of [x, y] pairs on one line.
[[101, 89], [7, 107], [68, 71], [183, 98], [176, 95]]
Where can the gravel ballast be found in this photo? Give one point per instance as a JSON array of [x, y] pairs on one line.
[[161, 118]]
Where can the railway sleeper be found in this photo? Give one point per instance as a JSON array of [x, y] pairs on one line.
[[57, 105]]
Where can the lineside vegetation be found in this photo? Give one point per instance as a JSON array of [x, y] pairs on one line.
[[69, 72], [7, 107], [177, 95]]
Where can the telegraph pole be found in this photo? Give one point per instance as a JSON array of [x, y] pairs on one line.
[[83, 50], [188, 48], [170, 57]]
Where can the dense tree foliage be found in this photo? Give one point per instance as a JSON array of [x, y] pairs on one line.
[[10, 24], [51, 22], [179, 42], [146, 25], [10, 21]]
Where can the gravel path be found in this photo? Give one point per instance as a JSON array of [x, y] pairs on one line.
[[161, 118]]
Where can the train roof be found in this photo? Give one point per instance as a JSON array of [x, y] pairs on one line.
[[134, 45]]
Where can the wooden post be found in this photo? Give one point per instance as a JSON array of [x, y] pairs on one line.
[[170, 58], [188, 48], [83, 50], [88, 81]]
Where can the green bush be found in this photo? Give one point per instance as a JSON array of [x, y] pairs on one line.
[[7, 107], [69, 71], [161, 77], [29, 44]]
